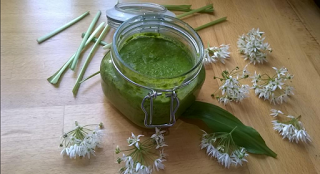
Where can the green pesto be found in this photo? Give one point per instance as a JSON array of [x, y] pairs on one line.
[[127, 97], [156, 57]]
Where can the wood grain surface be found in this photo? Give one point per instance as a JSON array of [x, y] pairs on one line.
[[34, 113]]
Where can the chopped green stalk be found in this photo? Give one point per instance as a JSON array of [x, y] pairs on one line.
[[194, 11], [86, 63], [186, 8], [92, 75], [210, 23], [94, 39], [56, 76], [178, 7], [85, 38], [95, 32], [208, 10], [65, 26], [108, 46]]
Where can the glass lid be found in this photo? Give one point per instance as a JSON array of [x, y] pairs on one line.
[[124, 11]]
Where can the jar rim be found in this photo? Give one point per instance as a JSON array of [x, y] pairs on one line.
[[193, 33]]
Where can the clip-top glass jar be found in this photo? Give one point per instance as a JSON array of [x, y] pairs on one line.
[[154, 70]]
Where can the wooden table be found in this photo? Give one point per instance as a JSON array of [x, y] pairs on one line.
[[34, 113]]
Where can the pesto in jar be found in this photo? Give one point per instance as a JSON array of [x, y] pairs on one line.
[[156, 57]]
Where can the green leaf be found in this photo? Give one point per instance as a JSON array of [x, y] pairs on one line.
[[220, 120]]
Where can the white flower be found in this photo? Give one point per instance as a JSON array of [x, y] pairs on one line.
[[253, 47], [275, 112], [238, 156], [138, 167], [133, 140], [289, 90], [81, 141], [219, 146], [159, 138], [281, 71], [277, 125], [72, 151], [207, 142], [277, 83], [63, 151], [158, 164], [145, 169], [162, 154], [225, 160], [273, 88], [255, 78], [288, 131], [145, 152], [94, 139], [128, 163], [233, 91], [217, 53], [292, 130], [245, 72], [302, 135]]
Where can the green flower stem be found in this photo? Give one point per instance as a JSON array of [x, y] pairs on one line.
[[94, 74], [210, 23], [294, 122], [94, 39], [233, 130], [56, 76], [186, 8], [91, 53], [194, 11], [85, 38], [65, 26]]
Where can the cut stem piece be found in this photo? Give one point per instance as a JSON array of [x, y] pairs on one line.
[[211, 23], [86, 63], [85, 38], [194, 11], [178, 7], [186, 8], [65, 26], [108, 46], [56, 76], [94, 39], [98, 29]]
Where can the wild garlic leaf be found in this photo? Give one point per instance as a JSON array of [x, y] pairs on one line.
[[220, 120]]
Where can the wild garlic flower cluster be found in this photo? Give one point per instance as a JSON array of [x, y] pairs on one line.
[[214, 54], [273, 88], [232, 89], [253, 47], [293, 129], [143, 154], [81, 141], [221, 146]]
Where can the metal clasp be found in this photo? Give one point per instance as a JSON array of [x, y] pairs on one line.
[[148, 117]]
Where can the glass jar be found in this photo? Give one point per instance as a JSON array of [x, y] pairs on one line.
[[152, 101]]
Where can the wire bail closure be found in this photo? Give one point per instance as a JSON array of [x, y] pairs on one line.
[[148, 117]]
